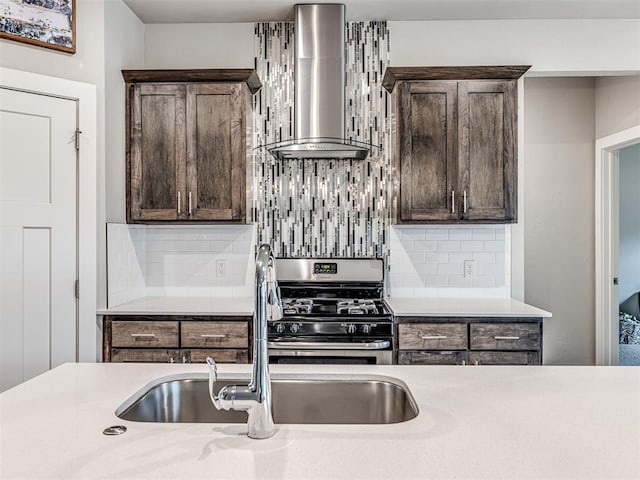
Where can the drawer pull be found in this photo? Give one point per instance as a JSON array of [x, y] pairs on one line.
[[213, 335], [434, 337], [498, 337], [143, 335]]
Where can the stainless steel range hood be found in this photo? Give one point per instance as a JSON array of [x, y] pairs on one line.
[[319, 88]]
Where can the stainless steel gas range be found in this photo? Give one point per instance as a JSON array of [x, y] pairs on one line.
[[334, 312]]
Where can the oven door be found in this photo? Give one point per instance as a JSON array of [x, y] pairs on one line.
[[377, 352]]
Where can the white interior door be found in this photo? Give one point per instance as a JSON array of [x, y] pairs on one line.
[[38, 234]]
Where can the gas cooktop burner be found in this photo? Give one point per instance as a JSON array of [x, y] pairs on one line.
[[323, 306], [356, 307], [297, 306]]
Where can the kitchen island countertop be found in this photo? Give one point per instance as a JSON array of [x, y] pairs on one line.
[[474, 423]]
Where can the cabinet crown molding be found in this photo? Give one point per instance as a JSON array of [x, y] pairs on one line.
[[247, 75], [491, 72]]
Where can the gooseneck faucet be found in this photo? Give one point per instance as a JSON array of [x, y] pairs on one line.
[[255, 398]]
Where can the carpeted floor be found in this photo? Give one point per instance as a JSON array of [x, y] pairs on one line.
[[629, 354]]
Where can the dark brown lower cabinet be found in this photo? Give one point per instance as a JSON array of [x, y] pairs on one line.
[[176, 339], [469, 341]]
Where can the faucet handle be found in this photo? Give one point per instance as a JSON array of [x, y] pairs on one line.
[[274, 304], [213, 377]]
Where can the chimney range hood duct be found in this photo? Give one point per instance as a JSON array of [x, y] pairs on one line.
[[319, 88]]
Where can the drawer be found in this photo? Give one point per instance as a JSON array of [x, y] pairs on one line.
[[432, 336], [504, 358], [432, 358], [145, 355], [144, 334], [505, 336], [220, 356], [215, 334]]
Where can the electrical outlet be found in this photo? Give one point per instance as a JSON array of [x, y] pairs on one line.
[[469, 268], [221, 268]]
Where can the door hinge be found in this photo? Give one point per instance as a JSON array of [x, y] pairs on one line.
[[77, 138], [77, 289], [615, 280]]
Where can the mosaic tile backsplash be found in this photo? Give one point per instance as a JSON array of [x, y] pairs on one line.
[[327, 207]]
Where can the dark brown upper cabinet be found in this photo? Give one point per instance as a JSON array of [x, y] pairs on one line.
[[186, 144], [456, 143]]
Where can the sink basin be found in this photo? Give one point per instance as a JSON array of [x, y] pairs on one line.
[[327, 399]]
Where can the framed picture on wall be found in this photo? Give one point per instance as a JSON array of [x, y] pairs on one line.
[[44, 23]]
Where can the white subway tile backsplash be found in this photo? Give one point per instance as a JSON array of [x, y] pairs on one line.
[[437, 234], [413, 234], [434, 267], [448, 246], [493, 246], [471, 246], [460, 234], [423, 245], [436, 281], [438, 257], [145, 260], [484, 257], [484, 281], [460, 281], [449, 269]]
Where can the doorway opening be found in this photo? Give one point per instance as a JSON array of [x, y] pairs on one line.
[[608, 243]]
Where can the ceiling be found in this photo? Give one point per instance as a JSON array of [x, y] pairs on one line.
[[230, 11]]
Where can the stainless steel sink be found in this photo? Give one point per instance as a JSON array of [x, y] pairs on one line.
[[328, 399]]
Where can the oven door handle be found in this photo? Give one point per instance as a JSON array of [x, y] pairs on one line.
[[375, 345]]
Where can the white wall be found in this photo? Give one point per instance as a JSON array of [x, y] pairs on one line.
[[617, 103], [550, 46], [199, 45], [629, 273], [559, 212]]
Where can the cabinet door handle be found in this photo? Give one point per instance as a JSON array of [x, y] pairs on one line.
[[213, 335], [190, 210], [453, 201], [179, 202], [434, 337], [499, 337], [464, 201], [143, 335]]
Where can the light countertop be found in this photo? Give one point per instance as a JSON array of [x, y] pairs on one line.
[[474, 423], [426, 307], [463, 307], [223, 306]]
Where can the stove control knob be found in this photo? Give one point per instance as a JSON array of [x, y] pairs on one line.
[[351, 328], [366, 328], [280, 328], [294, 328]]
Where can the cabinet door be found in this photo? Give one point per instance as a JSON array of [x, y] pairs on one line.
[[146, 355], [432, 336], [427, 151], [219, 355], [487, 126], [504, 358], [505, 336], [157, 152], [432, 358], [144, 334], [215, 334], [216, 152]]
